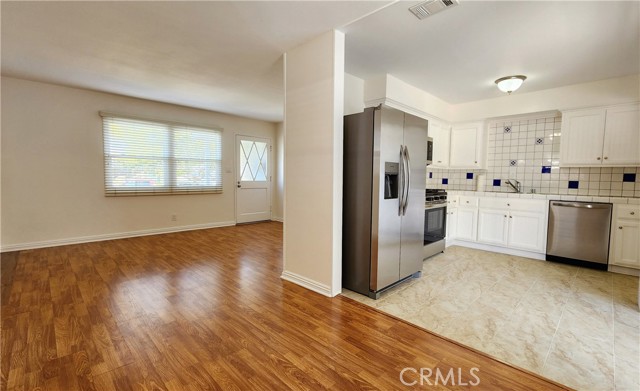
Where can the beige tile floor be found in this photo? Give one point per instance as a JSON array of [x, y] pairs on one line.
[[577, 326]]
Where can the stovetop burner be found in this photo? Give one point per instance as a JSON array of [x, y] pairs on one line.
[[435, 197]]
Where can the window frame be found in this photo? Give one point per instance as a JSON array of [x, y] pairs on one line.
[[169, 161]]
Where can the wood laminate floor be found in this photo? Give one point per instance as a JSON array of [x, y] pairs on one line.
[[207, 310]]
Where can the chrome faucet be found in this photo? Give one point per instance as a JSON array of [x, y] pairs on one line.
[[515, 186]]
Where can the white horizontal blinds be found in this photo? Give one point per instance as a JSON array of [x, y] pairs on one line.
[[197, 157], [143, 157]]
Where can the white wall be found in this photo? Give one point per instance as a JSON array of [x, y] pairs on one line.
[[353, 94], [598, 93], [314, 105], [396, 93], [52, 168], [278, 194]]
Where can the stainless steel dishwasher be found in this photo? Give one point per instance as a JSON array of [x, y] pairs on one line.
[[578, 233]]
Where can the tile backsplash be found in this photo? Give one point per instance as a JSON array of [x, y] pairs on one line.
[[529, 150]]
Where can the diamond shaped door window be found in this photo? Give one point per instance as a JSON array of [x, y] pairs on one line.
[[253, 161]]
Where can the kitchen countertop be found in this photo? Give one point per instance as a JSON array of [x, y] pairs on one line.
[[537, 196]]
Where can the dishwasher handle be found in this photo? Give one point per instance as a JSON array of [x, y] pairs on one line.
[[581, 205]]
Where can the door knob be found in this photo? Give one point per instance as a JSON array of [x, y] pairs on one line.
[[598, 158], [619, 227], [632, 213], [605, 158]]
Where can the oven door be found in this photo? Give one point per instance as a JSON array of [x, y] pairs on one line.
[[435, 223]]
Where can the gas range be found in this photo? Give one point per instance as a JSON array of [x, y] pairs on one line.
[[435, 198]]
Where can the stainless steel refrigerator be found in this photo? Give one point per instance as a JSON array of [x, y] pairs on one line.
[[385, 153]]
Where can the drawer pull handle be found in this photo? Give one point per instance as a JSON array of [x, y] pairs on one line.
[[632, 213], [598, 158], [619, 227], [605, 158], [508, 204], [505, 215]]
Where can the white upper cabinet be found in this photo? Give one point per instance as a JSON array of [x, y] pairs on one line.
[[622, 136], [440, 134], [600, 136], [467, 142]]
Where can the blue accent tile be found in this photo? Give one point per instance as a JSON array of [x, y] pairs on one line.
[[496, 182], [430, 175], [445, 181], [546, 169], [469, 175], [573, 184], [628, 177]]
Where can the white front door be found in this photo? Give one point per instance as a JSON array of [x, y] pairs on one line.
[[253, 179]]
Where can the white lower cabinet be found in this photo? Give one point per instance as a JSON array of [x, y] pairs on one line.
[[527, 231], [520, 224], [492, 227], [625, 236], [467, 224], [452, 223]]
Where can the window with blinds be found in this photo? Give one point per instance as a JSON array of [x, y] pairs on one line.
[[144, 157]]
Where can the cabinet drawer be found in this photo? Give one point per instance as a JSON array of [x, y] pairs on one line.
[[524, 205], [494, 203], [468, 201], [452, 201], [534, 206], [628, 212]]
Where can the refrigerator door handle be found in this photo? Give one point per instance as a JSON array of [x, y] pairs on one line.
[[408, 182], [401, 185]]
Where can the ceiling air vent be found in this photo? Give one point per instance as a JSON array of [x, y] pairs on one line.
[[428, 8]]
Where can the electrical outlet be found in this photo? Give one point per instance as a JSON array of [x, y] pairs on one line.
[[174, 217]]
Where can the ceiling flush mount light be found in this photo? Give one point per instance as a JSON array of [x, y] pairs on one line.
[[509, 84]]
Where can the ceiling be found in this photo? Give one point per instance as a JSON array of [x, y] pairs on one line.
[[227, 56], [458, 53], [222, 56]]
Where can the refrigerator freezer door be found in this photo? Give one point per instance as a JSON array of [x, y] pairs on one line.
[[358, 215], [389, 131], [412, 231]]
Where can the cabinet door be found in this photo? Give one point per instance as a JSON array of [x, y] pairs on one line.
[[626, 251], [465, 146], [492, 226], [527, 231], [582, 138], [622, 136], [441, 138], [467, 224], [452, 223]]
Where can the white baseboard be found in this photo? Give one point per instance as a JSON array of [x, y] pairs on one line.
[[118, 235], [275, 218], [307, 283], [497, 249], [624, 270]]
